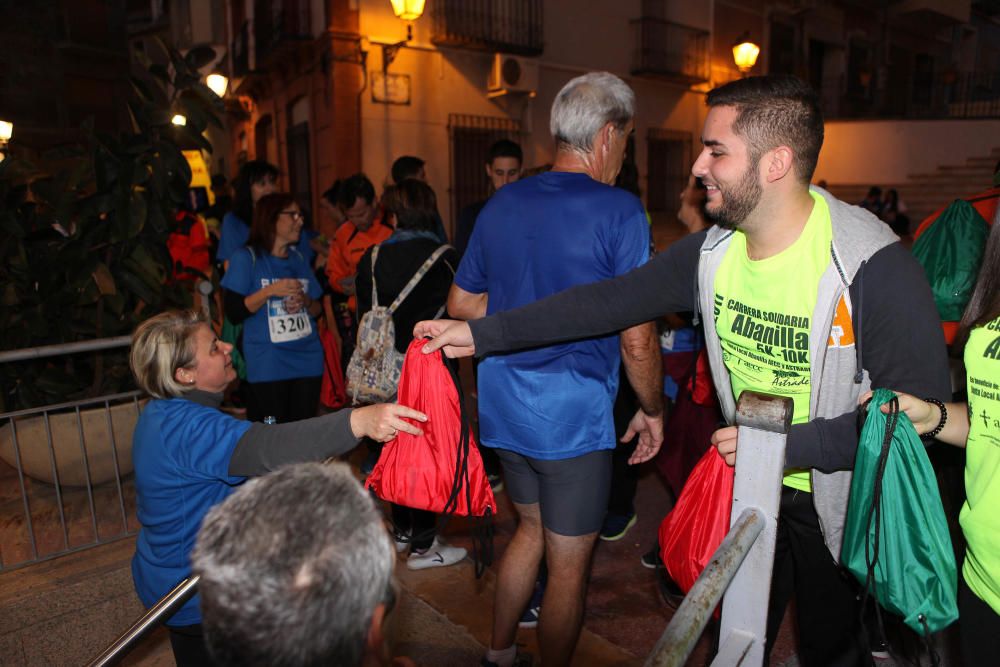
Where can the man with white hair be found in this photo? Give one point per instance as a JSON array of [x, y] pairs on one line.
[[296, 569], [548, 411]]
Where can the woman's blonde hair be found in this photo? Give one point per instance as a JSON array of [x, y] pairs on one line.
[[160, 346]]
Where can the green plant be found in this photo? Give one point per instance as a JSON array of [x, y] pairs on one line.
[[83, 236]]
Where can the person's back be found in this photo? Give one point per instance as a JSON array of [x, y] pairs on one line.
[[397, 263], [534, 238]]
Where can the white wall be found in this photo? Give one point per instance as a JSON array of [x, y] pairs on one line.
[[447, 80], [887, 151]]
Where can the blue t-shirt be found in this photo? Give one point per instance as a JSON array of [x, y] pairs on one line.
[[181, 452], [536, 237], [235, 232], [277, 345]]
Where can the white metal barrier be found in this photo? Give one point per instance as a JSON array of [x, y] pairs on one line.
[[741, 567]]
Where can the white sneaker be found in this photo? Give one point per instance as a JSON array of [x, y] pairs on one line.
[[402, 541], [438, 555]]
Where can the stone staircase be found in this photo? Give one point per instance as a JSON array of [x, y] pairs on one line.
[[925, 193]]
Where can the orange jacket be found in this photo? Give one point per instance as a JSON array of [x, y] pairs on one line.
[[347, 247]]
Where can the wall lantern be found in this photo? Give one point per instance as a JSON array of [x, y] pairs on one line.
[[745, 53], [217, 83], [408, 10], [179, 119], [6, 132]]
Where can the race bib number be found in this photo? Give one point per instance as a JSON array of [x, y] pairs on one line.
[[284, 326]]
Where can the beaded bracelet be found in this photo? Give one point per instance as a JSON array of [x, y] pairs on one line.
[[940, 425]]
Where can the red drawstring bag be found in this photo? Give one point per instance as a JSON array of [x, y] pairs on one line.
[[700, 385], [333, 392], [698, 523], [440, 471]]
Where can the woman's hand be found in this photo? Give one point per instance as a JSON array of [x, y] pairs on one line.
[[285, 287], [280, 289], [925, 416], [724, 441], [293, 304], [384, 421]]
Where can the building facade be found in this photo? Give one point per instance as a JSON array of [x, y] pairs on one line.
[[324, 88]]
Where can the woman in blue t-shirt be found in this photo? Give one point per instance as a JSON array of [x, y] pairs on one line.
[[272, 291], [189, 455], [255, 179]]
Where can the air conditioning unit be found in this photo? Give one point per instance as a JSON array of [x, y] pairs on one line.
[[512, 74]]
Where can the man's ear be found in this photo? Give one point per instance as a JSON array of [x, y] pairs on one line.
[[602, 140], [778, 163], [376, 634]]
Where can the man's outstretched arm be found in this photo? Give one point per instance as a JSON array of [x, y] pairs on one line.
[[665, 284]]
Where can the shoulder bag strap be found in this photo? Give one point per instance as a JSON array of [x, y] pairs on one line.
[[418, 276], [374, 290]]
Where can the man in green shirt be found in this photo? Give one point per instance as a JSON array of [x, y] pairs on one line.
[[809, 297]]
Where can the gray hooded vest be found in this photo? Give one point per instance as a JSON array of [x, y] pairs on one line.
[[836, 380]]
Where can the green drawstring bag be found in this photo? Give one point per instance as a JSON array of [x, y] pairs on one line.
[[231, 333], [896, 540], [950, 250]]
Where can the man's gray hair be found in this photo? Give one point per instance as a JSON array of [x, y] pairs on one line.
[[292, 567], [585, 105]]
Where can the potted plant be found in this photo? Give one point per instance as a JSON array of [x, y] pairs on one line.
[[83, 233]]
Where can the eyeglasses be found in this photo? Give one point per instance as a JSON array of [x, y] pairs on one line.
[[296, 215]]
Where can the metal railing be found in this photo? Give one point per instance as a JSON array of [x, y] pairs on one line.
[[740, 569], [669, 50], [939, 96], [69, 462], [278, 22], [241, 51], [508, 26], [148, 622]]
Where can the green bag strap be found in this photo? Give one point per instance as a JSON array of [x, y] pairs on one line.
[[875, 514]]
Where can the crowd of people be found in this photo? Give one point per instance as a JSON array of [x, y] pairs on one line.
[[552, 284], [888, 207]]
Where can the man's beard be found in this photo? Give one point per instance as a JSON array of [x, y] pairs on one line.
[[738, 200]]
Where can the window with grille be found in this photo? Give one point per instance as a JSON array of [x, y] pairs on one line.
[[668, 156], [471, 138]]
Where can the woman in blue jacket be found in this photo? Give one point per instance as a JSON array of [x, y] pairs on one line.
[[189, 455], [272, 291]]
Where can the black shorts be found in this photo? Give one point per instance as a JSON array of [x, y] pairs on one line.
[[572, 494]]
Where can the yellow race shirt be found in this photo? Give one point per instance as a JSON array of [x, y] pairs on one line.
[[980, 516], [763, 313]]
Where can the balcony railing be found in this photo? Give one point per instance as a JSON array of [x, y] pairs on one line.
[[278, 23], [509, 26], [941, 95], [241, 51], [669, 50]]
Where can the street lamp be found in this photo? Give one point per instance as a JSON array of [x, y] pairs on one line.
[[408, 10], [6, 132], [745, 53], [179, 120], [217, 83]]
